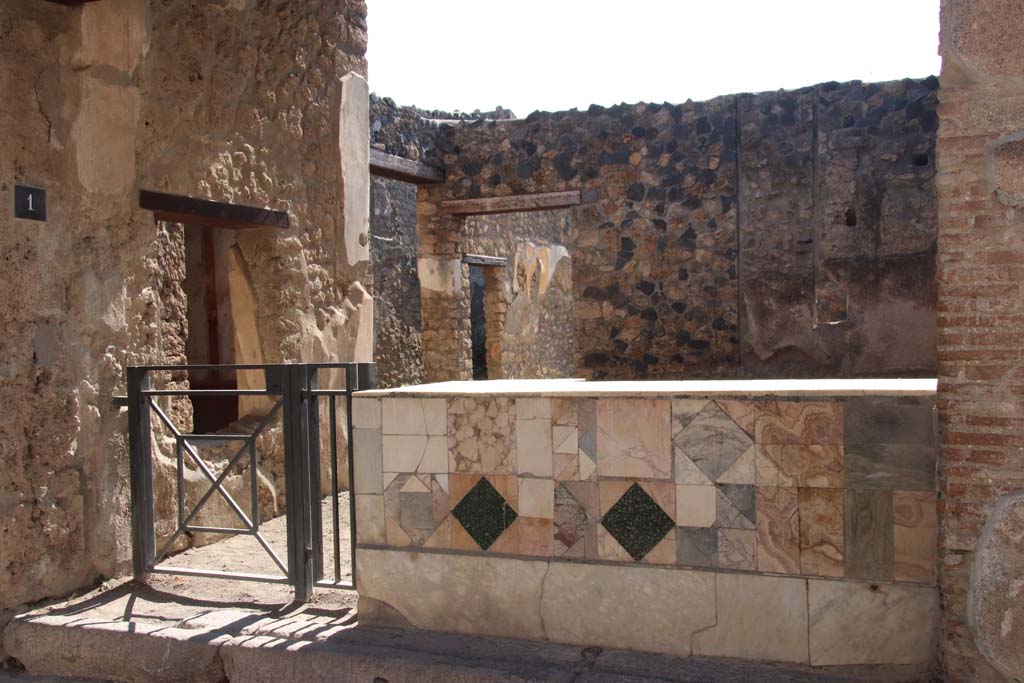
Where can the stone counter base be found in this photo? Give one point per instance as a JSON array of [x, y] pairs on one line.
[[681, 612]]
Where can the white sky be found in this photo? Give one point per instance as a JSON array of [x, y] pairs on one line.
[[558, 54]]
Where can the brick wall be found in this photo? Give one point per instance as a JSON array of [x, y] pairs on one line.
[[981, 283]]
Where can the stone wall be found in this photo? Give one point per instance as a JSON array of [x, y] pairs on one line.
[[786, 233], [239, 102], [810, 515], [981, 319], [397, 318]]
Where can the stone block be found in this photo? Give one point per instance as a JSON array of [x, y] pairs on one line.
[[995, 607], [758, 617], [423, 416], [366, 413], [863, 623], [648, 614], [370, 524], [369, 460]]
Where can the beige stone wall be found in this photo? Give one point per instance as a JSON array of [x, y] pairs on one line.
[[981, 320], [233, 100]]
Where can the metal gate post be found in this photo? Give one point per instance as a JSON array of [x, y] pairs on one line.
[[296, 475], [140, 463], [311, 434]]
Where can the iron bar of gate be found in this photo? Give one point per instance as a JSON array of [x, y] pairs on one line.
[[298, 392]]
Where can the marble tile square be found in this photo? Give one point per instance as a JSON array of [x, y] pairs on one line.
[[422, 416], [869, 534], [369, 461], [370, 515], [633, 438], [563, 412], [905, 467], [366, 413], [533, 447], [536, 498], [712, 442], [697, 547], [735, 506], [778, 530], [799, 422], [533, 408], [822, 545], [696, 506], [664, 552], [536, 536], [802, 465], [576, 516], [737, 549], [481, 436], [565, 439], [403, 453]]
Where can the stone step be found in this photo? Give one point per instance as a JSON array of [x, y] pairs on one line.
[[133, 636]]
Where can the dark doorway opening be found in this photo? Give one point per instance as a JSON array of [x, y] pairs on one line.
[[478, 321], [210, 339]]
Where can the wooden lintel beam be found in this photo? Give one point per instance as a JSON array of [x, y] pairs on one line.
[[511, 204], [180, 209], [399, 168], [481, 260]]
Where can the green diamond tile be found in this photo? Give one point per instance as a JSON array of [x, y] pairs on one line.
[[484, 513], [637, 522]]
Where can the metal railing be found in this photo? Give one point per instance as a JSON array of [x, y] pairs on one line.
[[297, 393]]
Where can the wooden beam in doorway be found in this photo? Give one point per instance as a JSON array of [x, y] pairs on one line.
[[179, 209], [511, 204], [480, 260], [399, 168]]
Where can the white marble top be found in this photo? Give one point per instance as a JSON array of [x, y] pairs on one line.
[[754, 387]]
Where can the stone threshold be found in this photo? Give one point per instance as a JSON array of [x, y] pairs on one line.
[[139, 634], [774, 388]]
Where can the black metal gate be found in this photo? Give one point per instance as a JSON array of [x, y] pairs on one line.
[[296, 392]]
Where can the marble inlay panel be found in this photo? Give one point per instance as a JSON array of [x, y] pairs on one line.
[[804, 465], [637, 520], [414, 453], [712, 441], [869, 534], [414, 505], [483, 512], [907, 467], [684, 410], [784, 422], [424, 416], [563, 412], [697, 547], [890, 419], [577, 514], [481, 436], [533, 409], [778, 530], [370, 513], [536, 536], [737, 549], [533, 447], [536, 497], [565, 439], [822, 546], [366, 413], [369, 460], [914, 535], [735, 506], [633, 438], [743, 413], [696, 506]]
